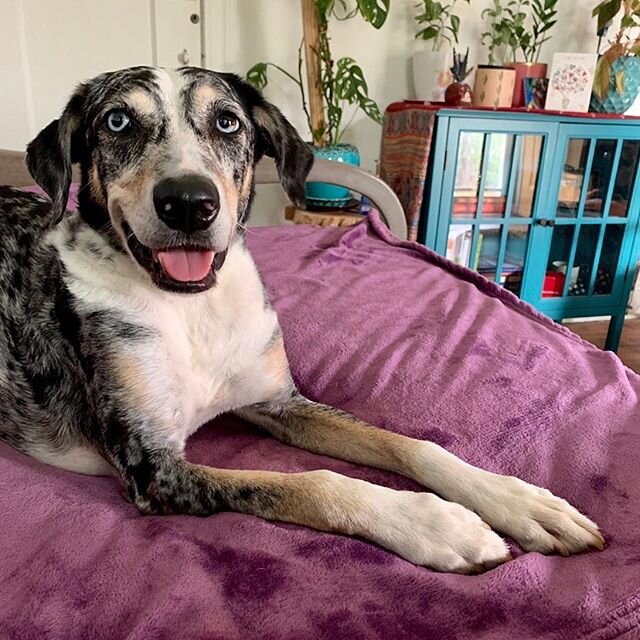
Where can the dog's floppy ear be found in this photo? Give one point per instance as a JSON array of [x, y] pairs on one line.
[[279, 140], [51, 154]]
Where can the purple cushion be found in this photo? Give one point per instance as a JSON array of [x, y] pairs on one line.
[[403, 339]]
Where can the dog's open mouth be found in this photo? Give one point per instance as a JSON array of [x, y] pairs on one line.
[[181, 269]]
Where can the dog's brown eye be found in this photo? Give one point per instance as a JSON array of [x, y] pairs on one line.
[[118, 121], [227, 123]]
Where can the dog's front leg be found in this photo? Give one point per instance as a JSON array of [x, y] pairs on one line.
[[534, 517], [421, 527]]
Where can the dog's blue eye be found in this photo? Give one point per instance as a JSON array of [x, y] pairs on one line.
[[227, 123], [118, 121]]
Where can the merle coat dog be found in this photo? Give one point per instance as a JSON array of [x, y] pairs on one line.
[[126, 326]]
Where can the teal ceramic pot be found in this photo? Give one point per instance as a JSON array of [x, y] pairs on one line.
[[320, 194], [615, 102]]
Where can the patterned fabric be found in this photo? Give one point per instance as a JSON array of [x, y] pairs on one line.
[[404, 157]]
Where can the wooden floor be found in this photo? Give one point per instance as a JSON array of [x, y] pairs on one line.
[[596, 332]]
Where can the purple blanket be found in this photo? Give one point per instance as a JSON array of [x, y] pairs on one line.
[[404, 340]]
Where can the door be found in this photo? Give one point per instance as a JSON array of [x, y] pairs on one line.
[[177, 33], [489, 194], [580, 235]]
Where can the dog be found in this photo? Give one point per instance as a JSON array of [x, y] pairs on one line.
[[128, 325]]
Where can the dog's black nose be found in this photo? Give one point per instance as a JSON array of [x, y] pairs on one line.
[[189, 203]]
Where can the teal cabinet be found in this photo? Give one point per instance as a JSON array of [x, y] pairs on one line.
[[545, 205]]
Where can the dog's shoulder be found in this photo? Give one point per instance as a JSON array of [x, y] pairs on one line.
[[26, 263], [20, 206]]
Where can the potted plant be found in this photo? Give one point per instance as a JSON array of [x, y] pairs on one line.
[[439, 26], [339, 84], [617, 79], [523, 26], [495, 82]]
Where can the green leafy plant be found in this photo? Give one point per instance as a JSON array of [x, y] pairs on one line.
[[498, 33], [519, 28], [342, 81], [439, 22], [626, 41]]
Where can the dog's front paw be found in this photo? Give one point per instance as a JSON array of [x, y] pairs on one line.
[[534, 517], [434, 533]]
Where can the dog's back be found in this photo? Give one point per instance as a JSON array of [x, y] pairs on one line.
[[35, 379]]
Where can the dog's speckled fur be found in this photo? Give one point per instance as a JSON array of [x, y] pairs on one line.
[[108, 366]]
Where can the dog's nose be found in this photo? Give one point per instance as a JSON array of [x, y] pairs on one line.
[[188, 203]]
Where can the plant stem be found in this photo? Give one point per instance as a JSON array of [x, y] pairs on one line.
[[344, 130], [300, 83], [328, 82]]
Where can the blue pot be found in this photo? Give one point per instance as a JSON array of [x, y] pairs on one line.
[[320, 194], [615, 102]]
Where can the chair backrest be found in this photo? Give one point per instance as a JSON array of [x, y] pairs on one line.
[[346, 175]]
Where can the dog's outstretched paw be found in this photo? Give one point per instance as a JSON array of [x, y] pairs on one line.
[[535, 518], [434, 533]]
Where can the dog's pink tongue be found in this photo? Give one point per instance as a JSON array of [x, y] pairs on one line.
[[186, 266]]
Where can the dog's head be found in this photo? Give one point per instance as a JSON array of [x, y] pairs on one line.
[[167, 162]]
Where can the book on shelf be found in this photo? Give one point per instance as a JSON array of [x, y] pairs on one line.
[[476, 257], [459, 246]]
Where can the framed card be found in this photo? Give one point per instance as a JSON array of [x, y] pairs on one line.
[[571, 81], [535, 92]]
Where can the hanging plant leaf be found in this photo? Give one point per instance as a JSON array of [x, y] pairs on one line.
[[431, 11], [602, 78], [427, 34], [606, 12], [352, 87], [370, 107], [334, 117], [349, 80], [620, 82], [375, 12], [257, 75]]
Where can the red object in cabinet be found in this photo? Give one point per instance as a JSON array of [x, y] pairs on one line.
[[553, 285]]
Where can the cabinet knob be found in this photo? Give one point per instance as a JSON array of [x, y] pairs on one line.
[[544, 222]]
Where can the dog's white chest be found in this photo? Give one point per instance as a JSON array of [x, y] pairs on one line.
[[201, 355], [218, 349]]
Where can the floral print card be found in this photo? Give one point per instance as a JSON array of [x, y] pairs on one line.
[[571, 81]]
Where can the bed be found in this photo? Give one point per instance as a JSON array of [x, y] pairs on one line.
[[397, 335]]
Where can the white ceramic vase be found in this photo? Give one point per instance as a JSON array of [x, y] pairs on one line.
[[431, 74]]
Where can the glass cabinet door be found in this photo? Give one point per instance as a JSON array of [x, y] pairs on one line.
[[585, 220], [493, 178]]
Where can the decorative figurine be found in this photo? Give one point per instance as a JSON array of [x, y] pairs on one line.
[[459, 92]]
